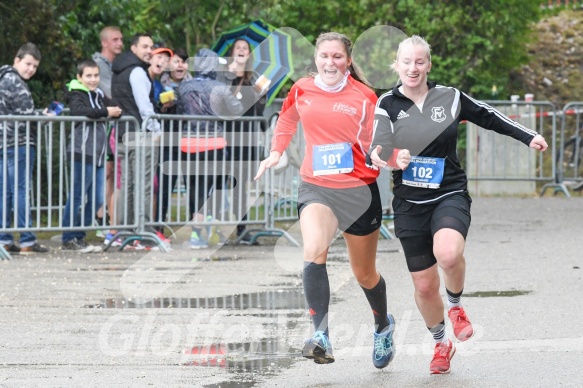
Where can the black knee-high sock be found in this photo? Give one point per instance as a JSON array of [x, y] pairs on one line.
[[377, 298], [317, 291]]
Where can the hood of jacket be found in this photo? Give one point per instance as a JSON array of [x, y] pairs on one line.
[[7, 69], [207, 63], [77, 85], [125, 60]]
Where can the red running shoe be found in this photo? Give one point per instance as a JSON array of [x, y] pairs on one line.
[[462, 327], [442, 356]]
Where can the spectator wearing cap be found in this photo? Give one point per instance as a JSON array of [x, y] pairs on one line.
[[158, 65], [170, 150]]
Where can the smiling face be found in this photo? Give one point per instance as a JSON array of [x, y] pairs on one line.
[[412, 65], [159, 63], [26, 66], [178, 68], [241, 51], [332, 61], [143, 49], [89, 78]]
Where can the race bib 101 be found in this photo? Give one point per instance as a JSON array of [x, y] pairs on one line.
[[334, 158]]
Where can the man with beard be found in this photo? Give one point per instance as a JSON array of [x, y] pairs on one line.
[[132, 91]]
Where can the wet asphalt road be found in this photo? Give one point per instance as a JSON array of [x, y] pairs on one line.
[[137, 319]]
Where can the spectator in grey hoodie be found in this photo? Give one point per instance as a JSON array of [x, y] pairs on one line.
[[111, 46]]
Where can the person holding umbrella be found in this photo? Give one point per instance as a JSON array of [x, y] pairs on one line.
[[271, 47], [242, 80], [338, 190]]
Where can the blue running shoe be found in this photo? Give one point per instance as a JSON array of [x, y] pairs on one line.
[[197, 242], [384, 348], [318, 348]]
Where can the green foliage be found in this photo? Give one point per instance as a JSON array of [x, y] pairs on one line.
[[555, 70], [475, 44]]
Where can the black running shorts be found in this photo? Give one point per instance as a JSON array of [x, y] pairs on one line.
[[416, 224], [358, 210]]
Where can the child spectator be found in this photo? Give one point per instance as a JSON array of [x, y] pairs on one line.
[[18, 150], [87, 148]]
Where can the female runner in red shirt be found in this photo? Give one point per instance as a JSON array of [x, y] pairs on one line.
[[338, 190]]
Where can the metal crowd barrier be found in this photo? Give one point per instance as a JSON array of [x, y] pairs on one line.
[[286, 178], [207, 164], [500, 165], [50, 162], [206, 176], [568, 153]]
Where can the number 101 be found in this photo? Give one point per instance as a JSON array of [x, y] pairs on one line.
[[331, 159]]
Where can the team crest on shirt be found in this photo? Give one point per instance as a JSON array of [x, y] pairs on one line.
[[343, 108], [438, 114]]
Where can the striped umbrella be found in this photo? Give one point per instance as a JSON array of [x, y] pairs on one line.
[[271, 51]]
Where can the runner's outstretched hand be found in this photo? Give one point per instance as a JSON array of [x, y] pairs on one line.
[[272, 160], [539, 143]]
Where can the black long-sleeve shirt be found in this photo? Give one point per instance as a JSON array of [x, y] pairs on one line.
[[432, 132]]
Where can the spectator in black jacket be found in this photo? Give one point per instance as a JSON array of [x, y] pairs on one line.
[[132, 91], [86, 150]]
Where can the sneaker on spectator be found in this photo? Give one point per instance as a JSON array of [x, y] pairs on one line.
[[150, 245], [318, 348], [197, 242], [109, 237], [462, 327], [85, 245], [384, 348], [100, 233], [135, 245], [164, 239], [214, 234], [216, 237], [442, 356], [12, 248], [248, 240], [32, 249], [77, 245]]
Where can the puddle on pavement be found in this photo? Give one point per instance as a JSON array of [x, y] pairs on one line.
[[266, 300], [247, 360], [126, 268], [99, 269], [491, 294], [247, 363]]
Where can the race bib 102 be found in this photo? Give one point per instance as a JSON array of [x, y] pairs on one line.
[[424, 172]]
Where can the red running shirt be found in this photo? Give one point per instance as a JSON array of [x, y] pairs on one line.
[[328, 118]]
